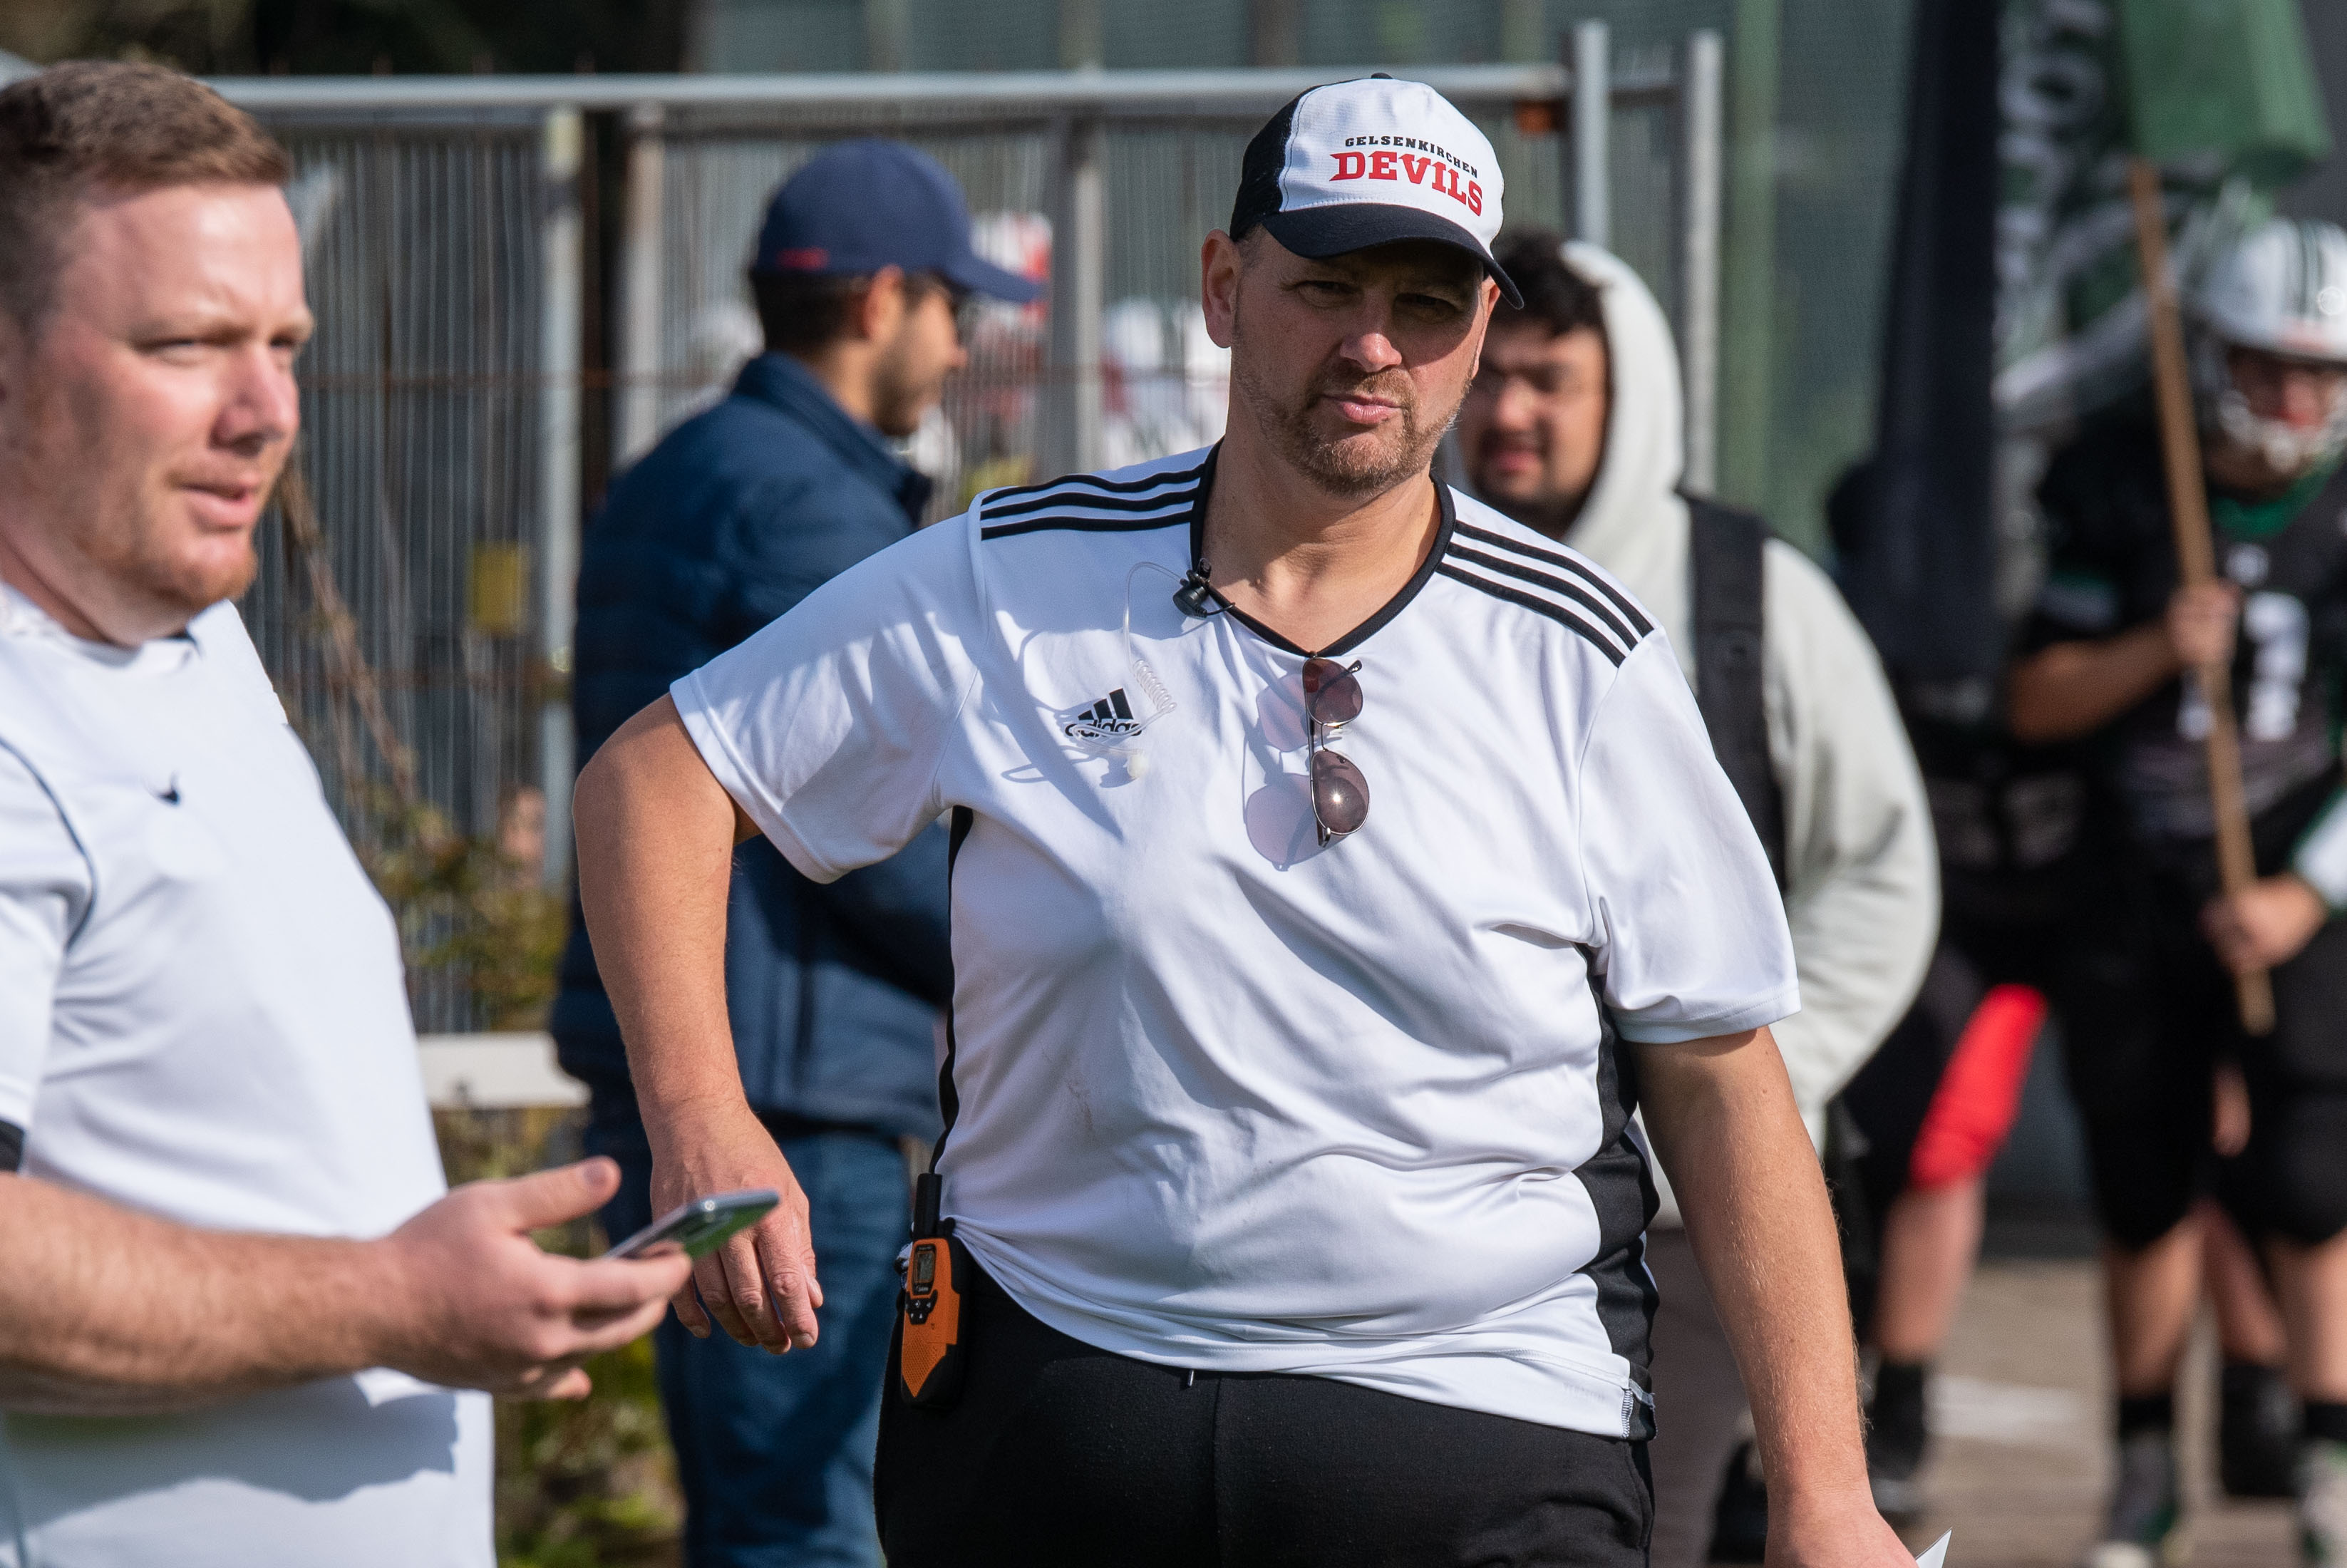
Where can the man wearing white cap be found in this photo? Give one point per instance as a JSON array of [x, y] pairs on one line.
[[1289, 1209]]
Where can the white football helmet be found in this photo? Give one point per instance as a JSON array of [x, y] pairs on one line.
[[2281, 287]]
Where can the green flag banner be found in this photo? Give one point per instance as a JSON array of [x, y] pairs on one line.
[[2226, 83], [2222, 92]]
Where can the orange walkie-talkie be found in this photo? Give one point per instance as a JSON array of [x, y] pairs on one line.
[[930, 1354]]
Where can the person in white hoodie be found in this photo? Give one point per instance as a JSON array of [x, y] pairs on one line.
[[1574, 426]]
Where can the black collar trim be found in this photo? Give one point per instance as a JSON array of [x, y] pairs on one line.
[[1366, 629]]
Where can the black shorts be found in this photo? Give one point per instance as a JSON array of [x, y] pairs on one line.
[[2087, 969], [2140, 1067], [1058, 1454]]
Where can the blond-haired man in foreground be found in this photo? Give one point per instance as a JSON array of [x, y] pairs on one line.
[[236, 1305]]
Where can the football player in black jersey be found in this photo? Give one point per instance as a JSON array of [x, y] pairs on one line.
[[2110, 654]]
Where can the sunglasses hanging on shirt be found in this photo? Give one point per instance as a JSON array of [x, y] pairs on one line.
[[1332, 699]]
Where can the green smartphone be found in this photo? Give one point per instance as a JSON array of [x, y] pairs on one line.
[[701, 1227]]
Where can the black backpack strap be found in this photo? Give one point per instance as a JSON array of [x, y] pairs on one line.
[[929, 1188], [1727, 546]]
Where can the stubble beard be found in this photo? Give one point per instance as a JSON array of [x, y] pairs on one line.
[[903, 390], [142, 553], [1351, 467], [111, 544], [186, 587]]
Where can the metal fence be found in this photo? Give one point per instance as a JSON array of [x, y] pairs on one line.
[[1104, 185], [443, 395]]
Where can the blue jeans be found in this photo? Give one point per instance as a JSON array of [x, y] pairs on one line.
[[774, 1452]]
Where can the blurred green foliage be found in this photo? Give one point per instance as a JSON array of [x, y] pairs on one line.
[[468, 906], [587, 1483]]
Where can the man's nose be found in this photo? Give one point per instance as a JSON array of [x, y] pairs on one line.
[[264, 405], [1370, 344], [1515, 408], [2307, 397]]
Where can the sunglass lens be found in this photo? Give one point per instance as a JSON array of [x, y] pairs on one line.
[[1331, 695], [1340, 795]]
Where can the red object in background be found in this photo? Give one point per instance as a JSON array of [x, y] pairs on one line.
[[1980, 1093]]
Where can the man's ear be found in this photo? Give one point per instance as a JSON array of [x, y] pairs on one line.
[[880, 306], [1489, 302], [1219, 263]]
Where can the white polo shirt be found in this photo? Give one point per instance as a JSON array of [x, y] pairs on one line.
[[1229, 1099], [204, 1016]]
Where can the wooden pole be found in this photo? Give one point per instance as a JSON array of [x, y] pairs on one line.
[[2196, 559]]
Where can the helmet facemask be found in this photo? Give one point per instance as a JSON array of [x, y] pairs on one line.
[[2280, 291], [2288, 451]]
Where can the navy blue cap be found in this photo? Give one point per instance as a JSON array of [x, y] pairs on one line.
[[859, 206]]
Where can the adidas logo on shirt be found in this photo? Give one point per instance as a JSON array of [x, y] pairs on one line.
[[1108, 719]]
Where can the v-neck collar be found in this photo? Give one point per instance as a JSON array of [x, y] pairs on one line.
[[1359, 634]]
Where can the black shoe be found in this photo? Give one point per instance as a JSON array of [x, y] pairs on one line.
[[1896, 1439], [2147, 1527], [2256, 1432], [1740, 1527]]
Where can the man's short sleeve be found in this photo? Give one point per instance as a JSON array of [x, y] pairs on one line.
[[45, 892], [827, 727], [1690, 923]]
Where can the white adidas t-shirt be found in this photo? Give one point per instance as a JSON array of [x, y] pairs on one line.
[[204, 1016], [1229, 1099]]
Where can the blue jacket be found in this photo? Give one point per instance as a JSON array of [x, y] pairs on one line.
[[736, 516]]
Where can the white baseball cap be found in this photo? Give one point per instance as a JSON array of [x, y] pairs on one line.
[[1355, 164]]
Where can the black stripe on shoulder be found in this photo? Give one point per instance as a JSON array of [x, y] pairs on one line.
[[1620, 600], [1555, 611], [1086, 525], [1093, 481], [1555, 584], [1087, 502]]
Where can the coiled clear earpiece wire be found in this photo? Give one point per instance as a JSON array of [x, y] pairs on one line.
[[1157, 702]]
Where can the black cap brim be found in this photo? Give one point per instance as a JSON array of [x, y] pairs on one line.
[[983, 277], [1321, 232]]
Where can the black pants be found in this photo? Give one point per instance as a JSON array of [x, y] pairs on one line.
[[1060, 1453], [2140, 1072]]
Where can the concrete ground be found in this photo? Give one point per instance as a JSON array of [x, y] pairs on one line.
[[2022, 1455]]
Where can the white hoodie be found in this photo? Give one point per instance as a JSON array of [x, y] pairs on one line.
[[1863, 894]]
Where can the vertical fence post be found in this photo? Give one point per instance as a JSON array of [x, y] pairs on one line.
[[1079, 285], [1593, 107], [1747, 358], [1276, 32], [1083, 40], [1702, 129], [1519, 29], [562, 259], [884, 24], [637, 415]]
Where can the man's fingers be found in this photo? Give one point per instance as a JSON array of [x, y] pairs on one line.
[[561, 1195], [687, 1302], [621, 1285], [624, 1330], [717, 1297], [789, 1263], [751, 1298], [573, 1384]]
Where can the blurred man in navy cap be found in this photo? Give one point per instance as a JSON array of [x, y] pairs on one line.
[[861, 269]]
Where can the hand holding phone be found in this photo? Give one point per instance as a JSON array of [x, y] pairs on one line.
[[701, 1227]]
